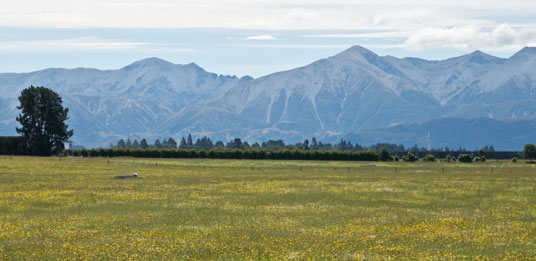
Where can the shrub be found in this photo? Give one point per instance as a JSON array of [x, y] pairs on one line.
[[12, 146], [479, 159], [514, 160], [448, 158], [465, 158], [429, 158], [396, 158], [410, 157], [385, 155]]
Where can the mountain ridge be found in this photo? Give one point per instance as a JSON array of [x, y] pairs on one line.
[[350, 92]]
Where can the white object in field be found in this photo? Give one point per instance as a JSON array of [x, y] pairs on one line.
[[135, 175]]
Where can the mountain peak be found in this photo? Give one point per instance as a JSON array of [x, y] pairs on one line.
[[479, 53], [194, 65], [480, 57], [150, 62], [524, 54], [528, 51], [357, 50]]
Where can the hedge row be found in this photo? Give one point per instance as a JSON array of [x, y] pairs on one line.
[[12, 146], [455, 154], [231, 154]]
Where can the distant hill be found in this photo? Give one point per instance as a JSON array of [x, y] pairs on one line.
[[471, 133], [355, 94], [108, 105]]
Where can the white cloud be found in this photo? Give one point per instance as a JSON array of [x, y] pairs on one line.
[[297, 18], [470, 37], [258, 14], [411, 16], [375, 35], [260, 37], [423, 24], [87, 44], [299, 46]]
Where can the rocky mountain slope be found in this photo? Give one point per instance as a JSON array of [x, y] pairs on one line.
[[353, 94]]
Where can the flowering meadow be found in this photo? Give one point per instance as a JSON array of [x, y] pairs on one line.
[[73, 208]]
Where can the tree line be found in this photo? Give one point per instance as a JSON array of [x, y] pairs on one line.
[[230, 154], [206, 143], [529, 152]]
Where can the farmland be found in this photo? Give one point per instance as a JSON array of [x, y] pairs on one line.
[[52, 208]]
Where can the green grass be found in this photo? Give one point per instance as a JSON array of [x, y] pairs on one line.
[[246, 209]]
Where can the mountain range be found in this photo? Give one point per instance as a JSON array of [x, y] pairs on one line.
[[469, 101]]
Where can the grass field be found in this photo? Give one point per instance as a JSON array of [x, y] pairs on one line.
[[240, 209]]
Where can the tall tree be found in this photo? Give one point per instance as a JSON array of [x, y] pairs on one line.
[[171, 143], [43, 121], [306, 144], [183, 144], [219, 145], [121, 144], [314, 144], [529, 152], [190, 142], [143, 144], [135, 144], [157, 144]]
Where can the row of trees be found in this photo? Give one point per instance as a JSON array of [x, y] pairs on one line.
[[383, 155], [231, 154], [206, 143]]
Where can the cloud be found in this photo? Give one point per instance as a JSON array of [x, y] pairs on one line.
[[299, 46], [260, 37], [374, 35], [297, 18], [404, 17], [88, 44], [260, 14], [470, 37]]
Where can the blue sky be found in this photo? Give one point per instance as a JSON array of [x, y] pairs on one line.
[[253, 37]]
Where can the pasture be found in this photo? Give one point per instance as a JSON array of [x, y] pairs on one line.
[[247, 209]]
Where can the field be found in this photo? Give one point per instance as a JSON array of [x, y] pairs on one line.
[[246, 209]]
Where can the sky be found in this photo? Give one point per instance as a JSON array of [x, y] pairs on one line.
[[253, 37]]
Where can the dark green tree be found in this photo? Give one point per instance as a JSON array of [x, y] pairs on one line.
[[43, 121], [306, 144], [465, 158], [314, 144], [183, 144], [190, 142], [219, 145], [203, 143], [157, 144], [234, 144], [170, 144], [135, 144], [121, 144], [143, 144], [384, 155], [529, 152], [256, 146]]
